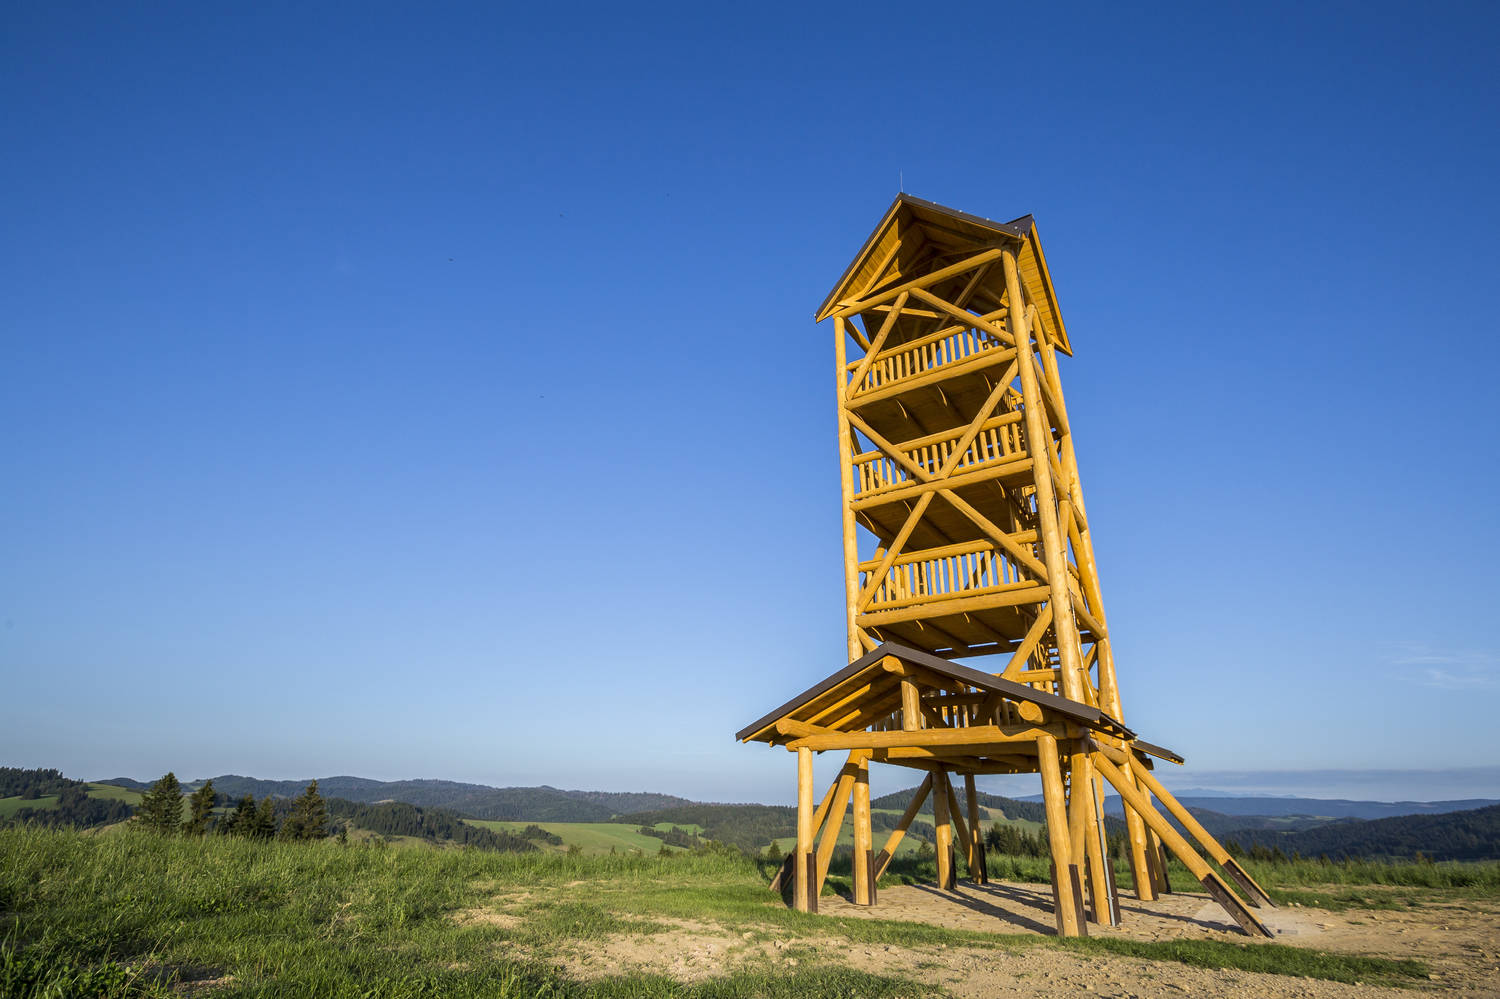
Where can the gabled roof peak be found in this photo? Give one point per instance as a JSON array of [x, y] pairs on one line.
[[914, 232]]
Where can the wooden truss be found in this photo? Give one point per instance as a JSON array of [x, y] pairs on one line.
[[966, 535]]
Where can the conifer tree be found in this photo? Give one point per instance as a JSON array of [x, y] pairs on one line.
[[201, 806], [309, 818], [160, 809], [241, 821], [264, 826]]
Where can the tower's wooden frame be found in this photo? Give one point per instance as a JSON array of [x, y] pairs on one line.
[[960, 481]]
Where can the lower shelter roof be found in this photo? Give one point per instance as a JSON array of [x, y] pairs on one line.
[[869, 669]]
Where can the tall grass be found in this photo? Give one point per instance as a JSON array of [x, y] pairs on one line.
[[133, 914], [1481, 876], [130, 914]]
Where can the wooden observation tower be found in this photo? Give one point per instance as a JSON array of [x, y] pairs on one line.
[[966, 536]]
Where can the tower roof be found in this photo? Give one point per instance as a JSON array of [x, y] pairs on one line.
[[916, 237]]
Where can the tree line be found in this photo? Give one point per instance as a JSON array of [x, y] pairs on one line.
[[1473, 834], [161, 812]]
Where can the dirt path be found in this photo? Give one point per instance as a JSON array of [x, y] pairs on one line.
[[1458, 941]]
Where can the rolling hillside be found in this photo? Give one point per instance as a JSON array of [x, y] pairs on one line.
[[480, 801], [1466, 835]]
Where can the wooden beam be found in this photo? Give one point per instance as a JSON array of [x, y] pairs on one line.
[[925, 281], [1002, 335], [1013, 467], [1216, 887], [1254, 893], [835, 822], [864, 365], [877, 576], [972, 735], [995, 534], [944, 605], [960, 827], [889, 850], [1019, 658], [1064, 625], [846, 493]]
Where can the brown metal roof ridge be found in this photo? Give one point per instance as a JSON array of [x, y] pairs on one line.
[[1082, 713]]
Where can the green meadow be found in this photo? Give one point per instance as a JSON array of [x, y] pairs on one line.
[[590, 837], [125, 913]]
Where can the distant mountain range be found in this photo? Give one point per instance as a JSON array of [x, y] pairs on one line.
[[1293, 807], [478, 801], [1459, 829]]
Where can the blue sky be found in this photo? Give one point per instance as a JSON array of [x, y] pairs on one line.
[[432, 391]]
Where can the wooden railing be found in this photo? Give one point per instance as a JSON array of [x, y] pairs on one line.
[[924, 354], [1000, 438], [962, 570]]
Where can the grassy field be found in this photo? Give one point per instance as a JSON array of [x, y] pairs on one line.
[[593, 838], [131, 914], [10, 806]]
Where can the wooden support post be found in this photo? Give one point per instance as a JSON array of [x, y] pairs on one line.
[[834, 823], [979, 868], [1078, 836], [846, 492], [960, 829], [788, 874], [920, 795], [1254, 893], [911, 706], [804, 899], [1065, 880], [1081, 784], [1111, 890], [1039, 444], [864, 860], [1109, 688], [1215, 886], [944, 825]]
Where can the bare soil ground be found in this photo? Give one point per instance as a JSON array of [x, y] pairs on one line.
[[1459, 941]]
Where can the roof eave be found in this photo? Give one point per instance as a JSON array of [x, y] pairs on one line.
[[1015, 229]]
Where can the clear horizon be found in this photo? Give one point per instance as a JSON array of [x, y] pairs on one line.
[[1356, 785], [435, 391]]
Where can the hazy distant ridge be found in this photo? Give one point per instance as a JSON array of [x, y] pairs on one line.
[[479, 801]]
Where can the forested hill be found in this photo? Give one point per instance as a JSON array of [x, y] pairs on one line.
[[748, 827], [1468, 835], [1324, 808], [435, 825], [1029, 811], [479, 801]]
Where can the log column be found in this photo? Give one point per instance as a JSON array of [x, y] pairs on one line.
[[846, 492], [1065, 879], [864, 862], [981, 872], [806, 865], [940, 793], [1139, 836]]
